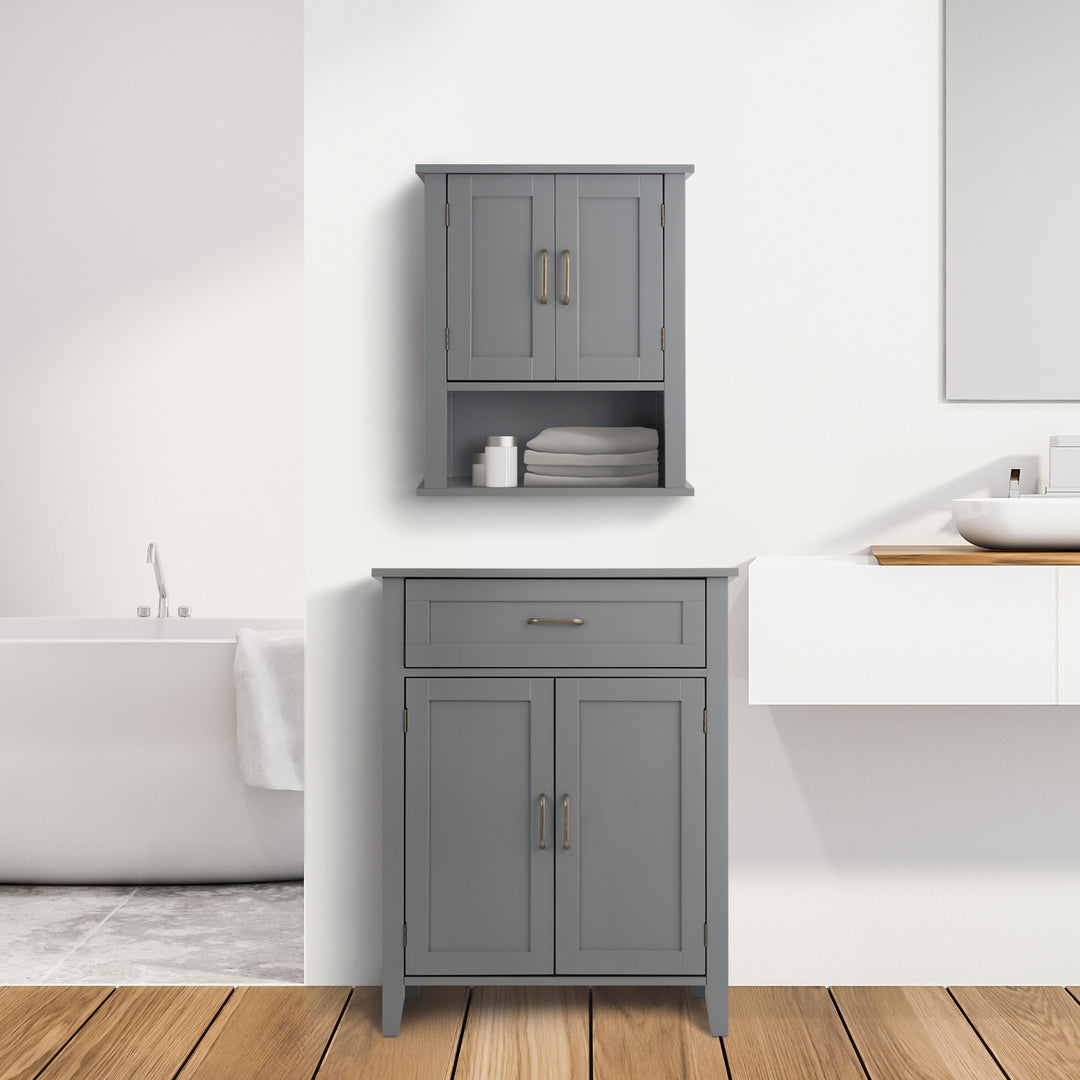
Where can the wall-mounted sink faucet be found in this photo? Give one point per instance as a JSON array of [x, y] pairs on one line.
[[154, 559]]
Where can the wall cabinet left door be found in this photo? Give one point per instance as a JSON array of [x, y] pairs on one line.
[[500, 284]]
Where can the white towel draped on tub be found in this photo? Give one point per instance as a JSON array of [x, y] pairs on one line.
[[269, 671]]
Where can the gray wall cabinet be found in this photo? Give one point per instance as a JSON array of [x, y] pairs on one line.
[[553, 295], [555, 780]]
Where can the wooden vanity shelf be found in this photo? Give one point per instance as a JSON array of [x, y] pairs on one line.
[[967, 555]]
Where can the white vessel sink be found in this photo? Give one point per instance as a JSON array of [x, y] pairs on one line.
[[1029, 523]]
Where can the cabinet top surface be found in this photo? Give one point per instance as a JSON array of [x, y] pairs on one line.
[[421, 170], [533, 572]]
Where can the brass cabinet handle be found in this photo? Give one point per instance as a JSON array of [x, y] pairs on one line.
[[569, 622], [543, 276], [566, 276], [566, 822], [543, 822]]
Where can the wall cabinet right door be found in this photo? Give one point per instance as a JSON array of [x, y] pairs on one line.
[[610, 265], [555, 277]]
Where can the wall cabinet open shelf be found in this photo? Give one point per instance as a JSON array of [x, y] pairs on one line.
[[554, 295]]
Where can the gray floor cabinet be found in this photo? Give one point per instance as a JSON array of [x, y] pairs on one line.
[[555, 780], [553, 295]]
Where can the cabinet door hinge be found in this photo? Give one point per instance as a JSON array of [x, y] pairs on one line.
[[662, 342], [662, 223], [447, 339], [404, 721], [706, 935], [705, 721], [448, 215], [404, 935]]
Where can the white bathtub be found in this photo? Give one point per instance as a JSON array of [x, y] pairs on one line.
[[118, 759]]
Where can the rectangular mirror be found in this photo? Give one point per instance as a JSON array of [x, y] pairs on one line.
[[1012, 200]]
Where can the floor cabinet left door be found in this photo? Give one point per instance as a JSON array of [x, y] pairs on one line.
[[479, 859]]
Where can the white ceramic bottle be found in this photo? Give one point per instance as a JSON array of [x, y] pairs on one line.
[[500, 461], [479, 467]]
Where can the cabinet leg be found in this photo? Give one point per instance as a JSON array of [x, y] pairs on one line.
[[393, 1000], [716, 1001], [698, 991], [412, 991]]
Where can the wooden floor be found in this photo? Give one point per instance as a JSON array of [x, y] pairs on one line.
[[333, 1033]]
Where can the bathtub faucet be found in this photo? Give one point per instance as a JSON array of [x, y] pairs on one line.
[[154, 559]]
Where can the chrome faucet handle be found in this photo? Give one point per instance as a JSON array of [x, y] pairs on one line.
[[1014, 484], [142, 611], [184, 610]]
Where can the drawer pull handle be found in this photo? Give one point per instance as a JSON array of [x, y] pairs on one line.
[[543, 276], [566, 277], [543, 822], [567, 622], [566, 822]]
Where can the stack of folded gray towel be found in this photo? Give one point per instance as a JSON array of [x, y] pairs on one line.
[[593, 457]]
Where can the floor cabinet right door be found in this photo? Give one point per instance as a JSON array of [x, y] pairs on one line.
[[630, 843]]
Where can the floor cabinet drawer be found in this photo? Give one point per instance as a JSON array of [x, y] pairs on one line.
[[504, 622]]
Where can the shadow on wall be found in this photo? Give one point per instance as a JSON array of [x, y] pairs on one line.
[[404, 244], [963, 784], [394, 231], [344, 756], [991, 479]]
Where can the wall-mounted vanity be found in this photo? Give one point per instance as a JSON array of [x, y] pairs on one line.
[[848, 631]]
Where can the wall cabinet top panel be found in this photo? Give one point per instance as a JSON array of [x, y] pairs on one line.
[[686, 170]]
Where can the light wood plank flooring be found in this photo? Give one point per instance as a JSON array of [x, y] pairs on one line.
[[333, 1033]]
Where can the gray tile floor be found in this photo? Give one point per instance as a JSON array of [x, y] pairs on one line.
[[235, 934]]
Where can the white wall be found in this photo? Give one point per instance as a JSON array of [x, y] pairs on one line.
[[868, 845], [151, 187]]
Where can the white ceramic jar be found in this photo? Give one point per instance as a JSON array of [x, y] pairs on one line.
[[500, 461]]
